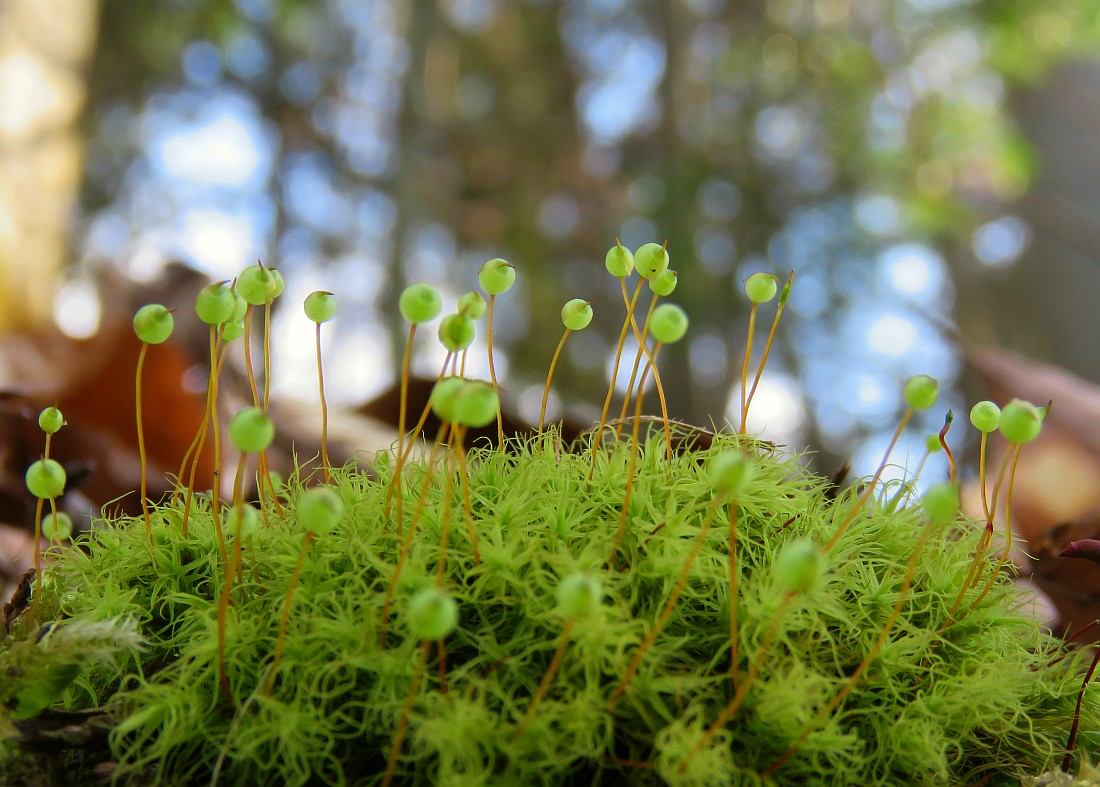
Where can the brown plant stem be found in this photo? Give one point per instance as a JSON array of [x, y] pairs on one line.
[[549, 377], [492, 368], [667, 610], [324, 408], [403, 721], [869, 490], [767, 349], [835, 702], [738, 700], [284, 618], [614, 370], [547, 679], [403, 554]]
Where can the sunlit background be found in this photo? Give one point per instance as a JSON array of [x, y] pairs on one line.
[[910, 160]]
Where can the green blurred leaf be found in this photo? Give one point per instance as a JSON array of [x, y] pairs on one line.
[[45, 690]]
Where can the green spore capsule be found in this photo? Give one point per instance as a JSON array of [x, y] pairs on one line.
[[785, 293], [579, 594], [664, 283], [246, 517], [258, 285], [472, 305], [651, 260], [280, 285], [731, 473], [240, 307], [932, 443], [50, 420], [320, 306], [45, 479], [576, 314], [921, 391], [432, 614], [799, 566], [456, 332], [496, 276], [1021, 421], [420, 303], [444, 395], [619, 261], [941, 503], [153, 323], [476, 404], [319, 509], [761, 287], [59, 526], [231, 331], [251, 430], [216, 303], [985, 416], [668, 323]]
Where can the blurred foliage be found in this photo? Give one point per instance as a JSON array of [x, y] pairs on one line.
[[746, 134]]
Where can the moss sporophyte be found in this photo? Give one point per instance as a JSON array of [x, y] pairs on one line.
[[661, 605]]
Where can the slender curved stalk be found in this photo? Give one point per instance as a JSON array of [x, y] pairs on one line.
[[284, 618], [549, 377], [38, 533], [215, 486], [767, 350], [953, 470], [247, 338], [651, 357], [267, 355], [738, 700], [264, 479], [445, 511], [462, 474], [745, 370], [141, 446], [869, 490], [637, 360], [492, 368], [403, 721], [402, 456], [614, 369], [197, 445], [982, 477], [670, 605], [232, 570], [37, 555], [732, 547], [547, 679], [631, 467], [406, 544], [402, 416], [975, 572], [835, 702], [1071, 744], [1003, 559], [324, 408]]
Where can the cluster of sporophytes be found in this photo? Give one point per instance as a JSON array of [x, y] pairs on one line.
[[657, 604]]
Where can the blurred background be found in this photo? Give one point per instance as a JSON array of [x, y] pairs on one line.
[[930, 169]]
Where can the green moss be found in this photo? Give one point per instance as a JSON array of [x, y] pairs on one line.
[[990, 695]]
